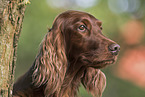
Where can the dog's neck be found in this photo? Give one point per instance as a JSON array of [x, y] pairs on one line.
[[72, 79]]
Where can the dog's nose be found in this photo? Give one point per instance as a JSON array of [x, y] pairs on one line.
[[114, 49]]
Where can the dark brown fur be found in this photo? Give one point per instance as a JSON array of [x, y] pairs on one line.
[[72, 52]]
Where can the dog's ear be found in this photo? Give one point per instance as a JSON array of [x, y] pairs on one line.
[[51, 63], [94, 81]]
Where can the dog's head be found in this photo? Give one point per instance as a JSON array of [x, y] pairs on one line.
[[75, 38], [84, 40]]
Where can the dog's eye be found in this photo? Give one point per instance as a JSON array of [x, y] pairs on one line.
[[82, 28]]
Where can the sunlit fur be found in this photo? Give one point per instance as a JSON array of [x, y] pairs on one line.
[[51, 63], [94, 81]]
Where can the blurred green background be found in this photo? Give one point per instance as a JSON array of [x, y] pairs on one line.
[[114, 14]]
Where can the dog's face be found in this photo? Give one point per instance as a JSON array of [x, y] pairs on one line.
[[85, 41]]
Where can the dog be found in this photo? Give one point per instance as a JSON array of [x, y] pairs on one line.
[[72, 52]]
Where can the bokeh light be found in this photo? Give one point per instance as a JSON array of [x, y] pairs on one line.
[[120, 6], [86, 3]]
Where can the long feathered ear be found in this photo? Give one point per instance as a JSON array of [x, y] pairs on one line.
[[51, 63], [94, 81]]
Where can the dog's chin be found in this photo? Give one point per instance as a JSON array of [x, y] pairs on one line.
[[98, 64], [102, 64]]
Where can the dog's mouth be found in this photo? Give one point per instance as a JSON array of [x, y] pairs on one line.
[[98, 63], [104, 63]]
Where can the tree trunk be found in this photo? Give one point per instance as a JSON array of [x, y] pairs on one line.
[[11, 17]]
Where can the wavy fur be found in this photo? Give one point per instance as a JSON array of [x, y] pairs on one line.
[[94, 81], [51, 63]]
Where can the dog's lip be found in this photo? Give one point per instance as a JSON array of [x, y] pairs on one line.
[[101, 64], [111, 61]]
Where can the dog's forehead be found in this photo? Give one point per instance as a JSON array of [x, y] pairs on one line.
[[89, 19], [72, 16]]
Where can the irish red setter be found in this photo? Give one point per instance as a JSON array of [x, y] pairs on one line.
[[71, 53]]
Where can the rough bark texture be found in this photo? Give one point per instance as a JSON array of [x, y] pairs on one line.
[[11, 17]]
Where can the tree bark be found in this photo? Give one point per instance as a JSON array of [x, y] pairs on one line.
[[11, 18]]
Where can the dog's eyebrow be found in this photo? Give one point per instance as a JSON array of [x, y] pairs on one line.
[[85, 21], [99, 23]]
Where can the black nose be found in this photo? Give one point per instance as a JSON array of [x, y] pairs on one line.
[[114, 49]]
